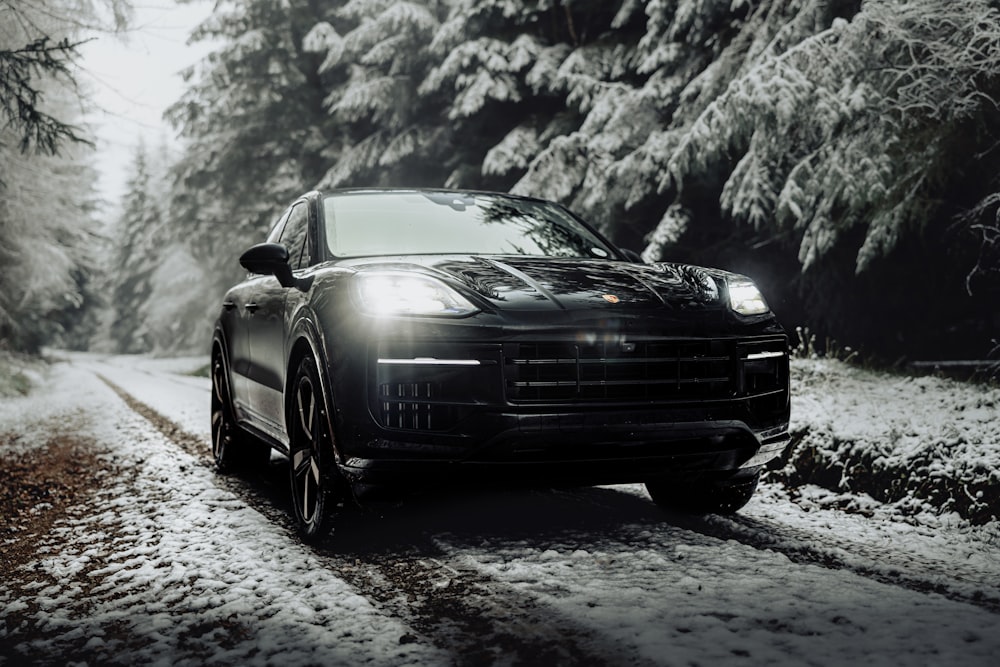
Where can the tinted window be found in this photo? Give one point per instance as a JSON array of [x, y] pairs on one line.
[[277, 227], [294, 236], [360, 224]]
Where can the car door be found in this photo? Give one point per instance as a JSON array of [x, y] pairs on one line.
[[234, 323], [239, 308], [268, 328]]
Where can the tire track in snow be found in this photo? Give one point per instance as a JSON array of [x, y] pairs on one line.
[[951, 580], [479, 620], [800, 545]]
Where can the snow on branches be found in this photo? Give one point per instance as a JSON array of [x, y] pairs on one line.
[[849, 127], [833, 130], [481, 70], [515, 152]]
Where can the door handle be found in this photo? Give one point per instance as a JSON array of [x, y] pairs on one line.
[[228, 305], [252, 306]]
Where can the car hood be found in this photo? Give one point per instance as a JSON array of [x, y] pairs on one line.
[[535, 283]]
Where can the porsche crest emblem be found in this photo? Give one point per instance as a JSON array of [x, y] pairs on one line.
[[610, 298]]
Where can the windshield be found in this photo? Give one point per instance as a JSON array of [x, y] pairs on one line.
[[432, 223]]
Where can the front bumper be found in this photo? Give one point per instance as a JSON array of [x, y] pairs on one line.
[[554, 413], [584, 456]]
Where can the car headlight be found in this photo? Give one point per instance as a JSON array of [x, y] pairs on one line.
[[403, 293], [745, 298]]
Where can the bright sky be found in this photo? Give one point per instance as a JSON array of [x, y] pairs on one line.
[[135, 77]]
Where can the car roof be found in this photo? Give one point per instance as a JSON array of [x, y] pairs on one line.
[[448, 191]]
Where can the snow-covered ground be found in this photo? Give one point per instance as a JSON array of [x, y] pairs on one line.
[[164, 567], [168, 563], [926, 444]]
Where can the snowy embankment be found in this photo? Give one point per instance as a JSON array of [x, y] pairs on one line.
[[18, 374], [923, 444]]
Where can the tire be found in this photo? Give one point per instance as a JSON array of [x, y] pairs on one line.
[[232, 447], [317, 490], [723, 497]]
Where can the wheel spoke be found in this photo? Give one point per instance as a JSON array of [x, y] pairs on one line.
[[217, 384], [307, 422], [307, 511], [312, 411], [218, 432], [301, 460]]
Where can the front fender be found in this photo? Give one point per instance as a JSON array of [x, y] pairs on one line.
[[306, 338]]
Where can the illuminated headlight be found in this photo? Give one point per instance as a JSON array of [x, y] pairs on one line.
[[745, 298], [401, 293]]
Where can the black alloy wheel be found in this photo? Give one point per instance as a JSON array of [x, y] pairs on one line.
[[231, 447], [316, 490], [719, 497]]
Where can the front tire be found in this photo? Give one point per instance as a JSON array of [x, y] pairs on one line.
[[717, 497], [232, 448], [315, 483]]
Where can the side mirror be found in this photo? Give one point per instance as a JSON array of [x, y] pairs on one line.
[[269, 259]]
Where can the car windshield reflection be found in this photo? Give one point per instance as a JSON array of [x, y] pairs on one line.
[[403, 223]]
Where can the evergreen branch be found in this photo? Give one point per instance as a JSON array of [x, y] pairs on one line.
[[20, 96]]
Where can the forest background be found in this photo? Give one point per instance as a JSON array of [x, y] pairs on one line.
[[844, 154]]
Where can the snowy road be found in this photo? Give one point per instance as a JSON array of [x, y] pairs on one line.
[[169, 563]]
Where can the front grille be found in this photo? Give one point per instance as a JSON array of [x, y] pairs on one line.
[[432, 386], [436, 387], [405, 405], [765, 366], [620, 371], [764, 377]]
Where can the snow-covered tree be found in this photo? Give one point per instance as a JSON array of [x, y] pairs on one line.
[[855, 126], [629, 89], [48, 244], [38, 42], [850, 136], [816, 144], [137, 242], [387, 132], [499, 68], [253, 124]]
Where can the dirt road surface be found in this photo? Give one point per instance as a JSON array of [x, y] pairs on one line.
[[121, 545]]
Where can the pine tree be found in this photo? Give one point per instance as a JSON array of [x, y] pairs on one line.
[[847, 127], [136, 248], [38, 43], [828, 140], [500, 66], [388, 133], [47, 241], [254, 127], [47, 186], [847, 136]]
